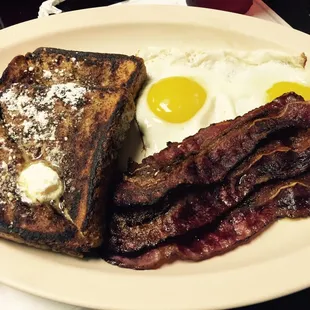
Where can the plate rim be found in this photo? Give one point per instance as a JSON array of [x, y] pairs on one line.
[[190, 15], [17, 34]]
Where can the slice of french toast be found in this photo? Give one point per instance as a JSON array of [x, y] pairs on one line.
[[49, 66], [59, 142]]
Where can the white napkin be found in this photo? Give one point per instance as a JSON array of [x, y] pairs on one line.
[[49, 7], [11, 299]]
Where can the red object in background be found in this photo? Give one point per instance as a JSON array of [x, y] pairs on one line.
[[236, 6]]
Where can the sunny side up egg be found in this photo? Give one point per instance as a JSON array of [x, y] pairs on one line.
[[189, 90]]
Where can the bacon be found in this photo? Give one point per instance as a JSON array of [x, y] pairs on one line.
[[289, 198], [213, 159], [281, 158]]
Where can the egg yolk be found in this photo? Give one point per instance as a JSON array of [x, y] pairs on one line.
[[176, 99], [281, 88]]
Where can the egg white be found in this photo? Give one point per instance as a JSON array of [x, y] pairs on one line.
[[235, 81]]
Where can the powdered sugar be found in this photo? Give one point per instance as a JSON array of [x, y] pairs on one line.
[[69, 93], [32, 110], [7, 171], [55, 155], [15, 102], [47, 74], [32, 114]]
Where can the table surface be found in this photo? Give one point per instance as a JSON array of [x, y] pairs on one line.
[[294, 12]]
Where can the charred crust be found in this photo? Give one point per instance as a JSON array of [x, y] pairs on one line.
[[74, 210], [30, 236], [111, 135]]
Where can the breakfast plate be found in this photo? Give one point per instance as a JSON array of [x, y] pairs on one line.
[[273, 265]]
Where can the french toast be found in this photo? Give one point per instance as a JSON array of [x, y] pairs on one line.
[[71, 130], [48, 66]]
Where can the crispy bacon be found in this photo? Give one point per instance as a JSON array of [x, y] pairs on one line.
[[285, 199], [193, 208], [175, 151], [215, 158]]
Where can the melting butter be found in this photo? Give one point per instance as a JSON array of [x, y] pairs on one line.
[[39, 183]]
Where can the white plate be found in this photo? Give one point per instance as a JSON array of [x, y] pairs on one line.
[[275, 264]]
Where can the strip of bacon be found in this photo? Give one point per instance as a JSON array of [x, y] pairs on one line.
[[193, 208], [216, 157], [286, 199]]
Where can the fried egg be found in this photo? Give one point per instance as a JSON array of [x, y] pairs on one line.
[[187, 90]]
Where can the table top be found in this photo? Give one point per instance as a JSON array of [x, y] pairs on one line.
[[295, 12]]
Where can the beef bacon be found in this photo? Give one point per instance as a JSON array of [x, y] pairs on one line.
[[289, 198], [211, 161], [281, 158]]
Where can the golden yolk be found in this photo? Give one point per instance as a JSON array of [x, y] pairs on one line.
[[281, 88], [176, 99]]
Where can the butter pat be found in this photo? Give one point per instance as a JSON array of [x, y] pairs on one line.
[[39, 183]]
